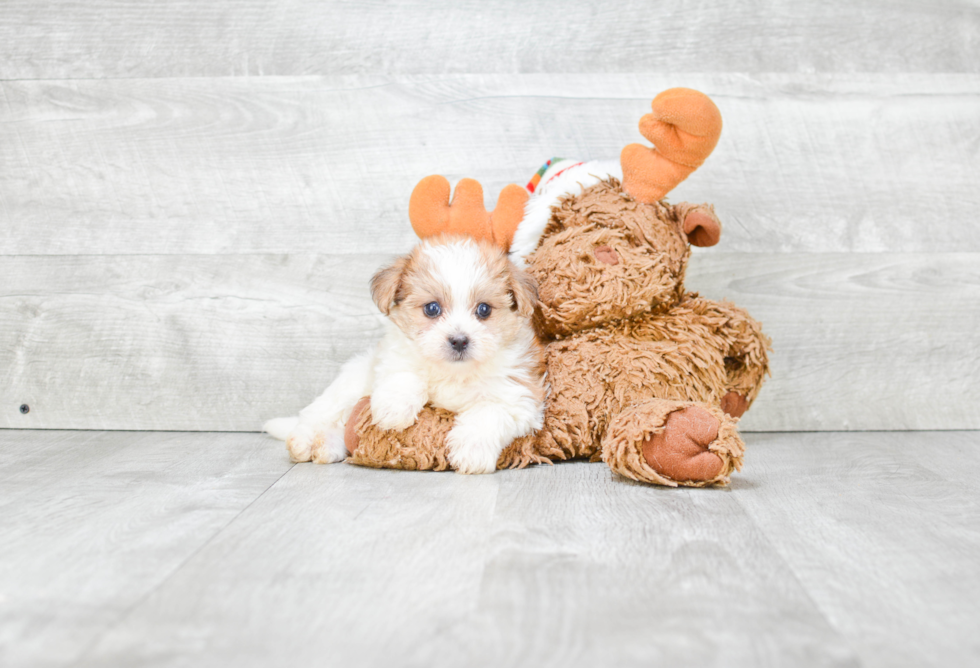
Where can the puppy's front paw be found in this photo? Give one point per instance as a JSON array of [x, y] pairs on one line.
[[471, 451], [394, 410], [329, 447], [324, 446]]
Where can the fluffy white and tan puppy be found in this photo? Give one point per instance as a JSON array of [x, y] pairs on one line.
[[458, 336]]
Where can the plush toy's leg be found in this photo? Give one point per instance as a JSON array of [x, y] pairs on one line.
[[421, 447], [673, 443], [746, 361], [741, 343]]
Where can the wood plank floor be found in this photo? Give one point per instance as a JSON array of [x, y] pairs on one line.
[[170, 548]]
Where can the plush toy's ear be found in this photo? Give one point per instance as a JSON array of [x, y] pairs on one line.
[[386, 285], [702, 229], [524, 292], [684, 128]]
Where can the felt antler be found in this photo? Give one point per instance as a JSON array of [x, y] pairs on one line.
[[684, 128], [432, 214]]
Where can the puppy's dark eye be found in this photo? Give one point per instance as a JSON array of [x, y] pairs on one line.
[[432, 309], [483, 311]]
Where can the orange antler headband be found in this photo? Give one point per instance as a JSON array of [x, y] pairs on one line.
[[432, 214], [684, 128]]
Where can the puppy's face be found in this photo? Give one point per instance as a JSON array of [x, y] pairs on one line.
[[461, 301]]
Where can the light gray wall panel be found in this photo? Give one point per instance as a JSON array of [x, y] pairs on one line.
[[61, 39], [176, 342], [861, 341], [284, 165]]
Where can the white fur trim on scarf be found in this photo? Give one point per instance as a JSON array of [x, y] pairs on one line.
[[562, 178]]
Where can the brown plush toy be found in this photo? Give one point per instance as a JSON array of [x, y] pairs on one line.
[[643, 375]]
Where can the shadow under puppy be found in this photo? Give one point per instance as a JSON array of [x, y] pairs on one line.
[[458, 336]]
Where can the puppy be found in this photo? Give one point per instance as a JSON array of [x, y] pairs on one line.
[[458, 336]]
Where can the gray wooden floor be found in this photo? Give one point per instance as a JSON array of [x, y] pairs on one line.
[[169, 548]]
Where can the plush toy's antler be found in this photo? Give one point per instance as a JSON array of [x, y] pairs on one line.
[[432, 214], [684, 127]]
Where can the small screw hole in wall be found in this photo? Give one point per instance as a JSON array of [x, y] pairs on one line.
[[25, 409]]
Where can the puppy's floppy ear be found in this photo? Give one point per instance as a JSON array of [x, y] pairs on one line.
[[523, 291], [387, 285]]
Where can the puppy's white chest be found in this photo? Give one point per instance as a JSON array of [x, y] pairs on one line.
[[457, 396]]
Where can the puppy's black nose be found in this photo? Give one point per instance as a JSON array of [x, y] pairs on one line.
[[459, 343]]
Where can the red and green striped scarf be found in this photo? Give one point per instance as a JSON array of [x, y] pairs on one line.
[[536, 179]]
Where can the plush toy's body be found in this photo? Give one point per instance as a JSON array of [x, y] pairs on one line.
[[643, 375]]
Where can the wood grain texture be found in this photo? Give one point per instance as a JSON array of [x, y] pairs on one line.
[[807, 163], [111, 39], [176, 549], [177, 342], [560, 566], [93, 522], [861, 341], [882, 530], [588, 569], [334, 563]]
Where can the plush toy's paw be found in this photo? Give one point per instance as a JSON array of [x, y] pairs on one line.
[[471, 451], [673, 443], [734, 404], [322, 446], [680, 451]]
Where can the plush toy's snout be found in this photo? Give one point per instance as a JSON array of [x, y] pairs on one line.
[[606, 255]]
